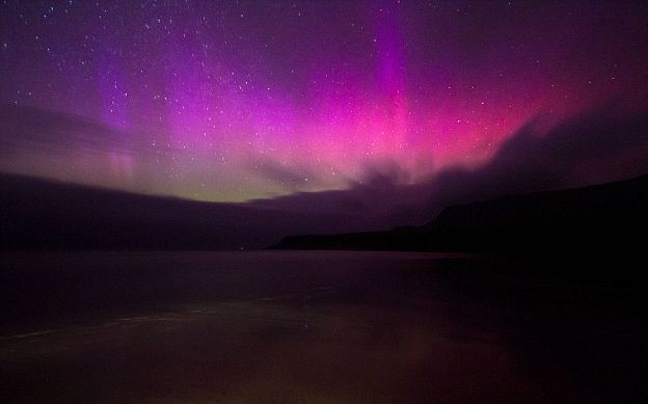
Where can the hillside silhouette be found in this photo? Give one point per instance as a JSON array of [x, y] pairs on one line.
[[607, 216]]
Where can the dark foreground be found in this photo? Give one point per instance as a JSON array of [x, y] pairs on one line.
[[314, 327]]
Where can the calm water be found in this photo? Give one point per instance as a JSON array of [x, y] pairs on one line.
[[266, 327]]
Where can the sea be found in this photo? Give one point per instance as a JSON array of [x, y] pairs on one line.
[[310, 327]]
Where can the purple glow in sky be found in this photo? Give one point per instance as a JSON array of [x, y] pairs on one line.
[[230, 101]]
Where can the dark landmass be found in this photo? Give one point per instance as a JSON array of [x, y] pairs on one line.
[[610, 216], [41, 214]]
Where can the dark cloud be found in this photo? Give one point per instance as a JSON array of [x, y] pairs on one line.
[[379, 201], [288, 176], [36, 130], [598, 146], [378, 196], [383, 173]]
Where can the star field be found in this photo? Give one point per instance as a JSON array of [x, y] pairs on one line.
[[230, 101]]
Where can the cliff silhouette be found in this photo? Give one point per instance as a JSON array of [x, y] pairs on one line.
[[41, 214], [607, 216]]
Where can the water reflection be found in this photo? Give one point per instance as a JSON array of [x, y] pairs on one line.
[[264, 328]]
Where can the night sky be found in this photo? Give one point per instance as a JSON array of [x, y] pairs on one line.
[[238, 100]]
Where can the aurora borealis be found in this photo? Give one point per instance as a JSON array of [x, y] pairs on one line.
[[237, 100]]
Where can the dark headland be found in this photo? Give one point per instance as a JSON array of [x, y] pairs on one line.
[[40, 214], [606, 217]]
